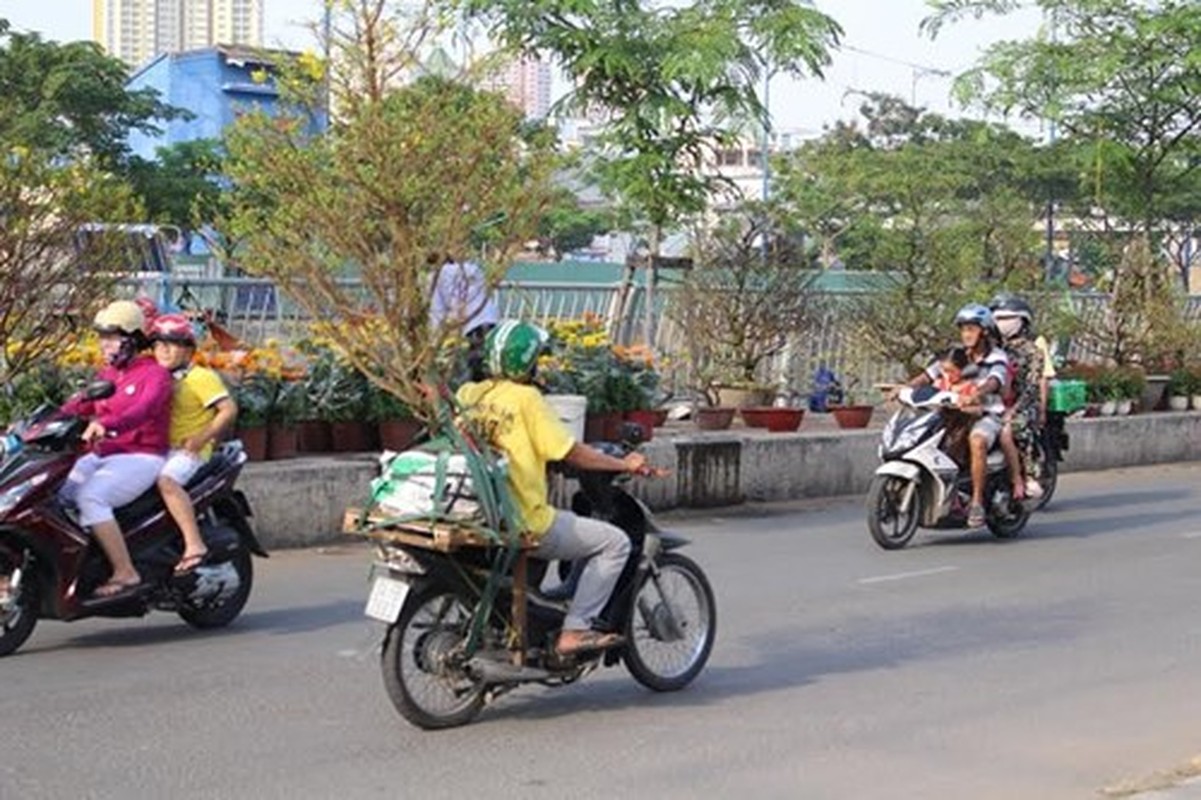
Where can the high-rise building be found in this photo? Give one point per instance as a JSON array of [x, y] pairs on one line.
[[138, 30], [526, 82]]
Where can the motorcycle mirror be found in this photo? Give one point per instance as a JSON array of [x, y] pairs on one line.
[[632, 433], [99, 390]]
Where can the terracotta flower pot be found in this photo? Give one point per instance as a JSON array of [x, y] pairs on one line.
[[313, 436], [605, 427], [254, 441], [398, 434], [714, 419], [852, 416], [776, 420], [281, 441], [353, 437], [729, 397], [646, 419]]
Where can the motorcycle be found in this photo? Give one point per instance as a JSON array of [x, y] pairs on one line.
[[449, 650], [53, 566], [920, 485]]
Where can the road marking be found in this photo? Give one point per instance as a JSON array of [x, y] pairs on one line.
[[900, 576], [1193, 535]]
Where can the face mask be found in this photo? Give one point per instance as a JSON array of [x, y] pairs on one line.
[[1010, 326], [125, 353]]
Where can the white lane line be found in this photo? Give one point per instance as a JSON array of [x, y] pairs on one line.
[[900, 576], [1193, 535]]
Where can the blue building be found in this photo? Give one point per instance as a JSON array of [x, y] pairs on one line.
[[215, 84]]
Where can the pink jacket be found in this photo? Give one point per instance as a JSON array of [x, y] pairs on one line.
[[138, 415]]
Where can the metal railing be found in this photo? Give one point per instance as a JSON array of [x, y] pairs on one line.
[[255, 310]]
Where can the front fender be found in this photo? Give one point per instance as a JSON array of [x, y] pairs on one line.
[[900, 469]]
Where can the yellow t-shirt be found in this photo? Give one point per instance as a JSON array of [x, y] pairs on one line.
[[1048, 363], [193, 405], [529, 433]]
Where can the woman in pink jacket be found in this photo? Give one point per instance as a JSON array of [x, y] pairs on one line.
[[129, 436]]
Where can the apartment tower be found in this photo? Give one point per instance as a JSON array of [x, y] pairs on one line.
[[138, 30]]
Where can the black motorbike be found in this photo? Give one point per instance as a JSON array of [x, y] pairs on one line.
[[449, 649]]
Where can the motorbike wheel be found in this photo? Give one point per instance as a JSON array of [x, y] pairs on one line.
[[227, 612], [18, 623], [1048, 477], [428, 690], [890, 527], [1011, 524], [672, 625]]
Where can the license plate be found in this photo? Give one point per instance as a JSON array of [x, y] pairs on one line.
[[386, 599]]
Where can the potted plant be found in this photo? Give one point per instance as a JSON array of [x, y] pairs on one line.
[[252, 394], [283, 412], [1131, 386], [850, 414], [776, 419], [737, 308], [397, 428], [1180, 388], [312, 429], [1195, 372], [350, 430]]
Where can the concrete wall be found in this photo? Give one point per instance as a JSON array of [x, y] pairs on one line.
[[301, 502]]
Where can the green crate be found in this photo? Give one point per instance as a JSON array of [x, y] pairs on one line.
[[1067, 396]]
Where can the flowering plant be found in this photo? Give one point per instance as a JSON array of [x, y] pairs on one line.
[[583, 360]]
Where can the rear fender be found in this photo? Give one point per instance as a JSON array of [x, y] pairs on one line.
[[234, 508]]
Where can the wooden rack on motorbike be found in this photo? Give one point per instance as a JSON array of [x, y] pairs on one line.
[[447, 537]]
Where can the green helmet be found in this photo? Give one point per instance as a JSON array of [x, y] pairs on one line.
[[512, 349]]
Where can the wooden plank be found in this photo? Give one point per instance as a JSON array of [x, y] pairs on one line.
[[441, 536]]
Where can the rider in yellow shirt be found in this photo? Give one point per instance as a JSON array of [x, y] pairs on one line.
[[201, 411], [521, 424]]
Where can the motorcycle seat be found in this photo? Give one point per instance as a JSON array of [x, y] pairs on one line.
[[150, 501]]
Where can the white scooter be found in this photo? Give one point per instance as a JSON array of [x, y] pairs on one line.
[[919, 485]]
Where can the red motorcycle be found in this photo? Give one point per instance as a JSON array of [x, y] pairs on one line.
[[53, 566]]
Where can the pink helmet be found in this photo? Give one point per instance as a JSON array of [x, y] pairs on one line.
[[173, 328], [149, 310]]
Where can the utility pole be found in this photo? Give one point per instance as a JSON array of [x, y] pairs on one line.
[[1049, 259]]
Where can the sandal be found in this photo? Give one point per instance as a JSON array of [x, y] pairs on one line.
[[190, 562], [115, 590], [975, 517], [590, 641]]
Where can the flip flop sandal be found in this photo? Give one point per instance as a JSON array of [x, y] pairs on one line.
[[189, 563], [591, 642], [123, 591]]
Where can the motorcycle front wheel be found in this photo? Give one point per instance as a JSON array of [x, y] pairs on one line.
[[420, 675], [672, 625], [19, 614], [890, 525]]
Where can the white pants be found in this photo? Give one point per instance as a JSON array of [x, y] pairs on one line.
[[98, 485], [181, 466]]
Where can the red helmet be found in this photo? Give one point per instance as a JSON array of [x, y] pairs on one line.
[[173, 328], [149, 309]]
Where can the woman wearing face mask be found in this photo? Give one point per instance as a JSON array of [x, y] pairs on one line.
[[1027, 401], [129, 436]]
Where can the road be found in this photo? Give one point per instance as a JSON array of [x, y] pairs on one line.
[[1054, 666]]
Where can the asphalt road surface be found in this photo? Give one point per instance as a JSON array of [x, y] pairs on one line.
[[1058, 665]]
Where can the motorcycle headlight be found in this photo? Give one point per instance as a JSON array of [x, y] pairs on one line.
[[9, 498]]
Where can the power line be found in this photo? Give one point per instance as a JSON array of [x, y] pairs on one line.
[[925, 68]]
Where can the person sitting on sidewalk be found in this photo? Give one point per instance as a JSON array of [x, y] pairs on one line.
[[201, 412], [527, 431]]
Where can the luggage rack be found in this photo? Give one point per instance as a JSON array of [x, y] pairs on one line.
[[445, 537]]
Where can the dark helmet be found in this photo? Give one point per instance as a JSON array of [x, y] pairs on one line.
[[1007, 306]]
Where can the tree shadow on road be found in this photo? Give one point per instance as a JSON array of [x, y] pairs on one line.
[[792, 659]]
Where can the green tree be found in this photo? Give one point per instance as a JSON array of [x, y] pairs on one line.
[[1122, 78], [183, 186], [567, 225], [672, 81], [68, 99], [408, 169]]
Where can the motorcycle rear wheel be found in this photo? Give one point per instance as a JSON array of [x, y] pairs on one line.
[[671, 626], [1048, 477], [17, 625], [227, 612], [889, 526], [426, 689], [1007, 527]]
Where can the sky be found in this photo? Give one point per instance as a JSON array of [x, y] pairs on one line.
[[883, 51]]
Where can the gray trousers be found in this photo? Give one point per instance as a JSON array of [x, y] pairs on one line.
[[601, 547]]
